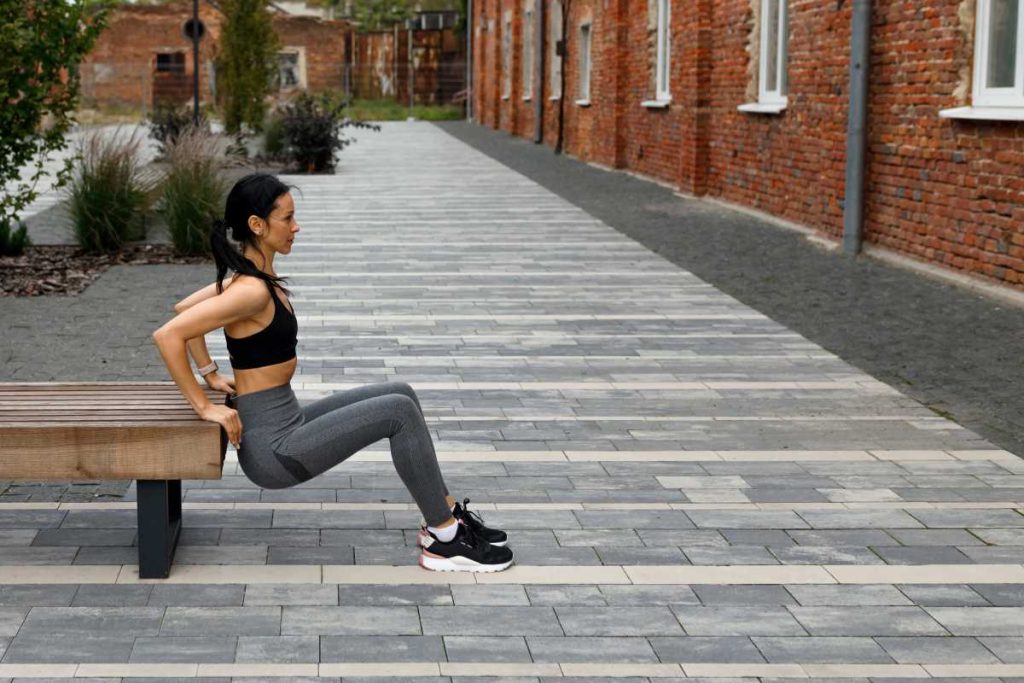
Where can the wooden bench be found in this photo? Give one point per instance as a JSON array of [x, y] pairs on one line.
[[145, 431]]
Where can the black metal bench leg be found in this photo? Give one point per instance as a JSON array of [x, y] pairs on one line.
[[159, 520]]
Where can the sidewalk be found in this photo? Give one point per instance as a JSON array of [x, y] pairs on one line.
[[691, 487]]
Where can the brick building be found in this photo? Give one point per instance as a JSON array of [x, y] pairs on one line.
[[747, 101], [143, 57]]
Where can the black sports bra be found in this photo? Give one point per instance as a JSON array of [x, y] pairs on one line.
[[275, 343]]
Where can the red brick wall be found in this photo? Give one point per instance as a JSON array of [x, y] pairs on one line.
[[944, 191]]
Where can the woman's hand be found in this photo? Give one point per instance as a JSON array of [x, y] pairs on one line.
[[219, 382], [228, 419]]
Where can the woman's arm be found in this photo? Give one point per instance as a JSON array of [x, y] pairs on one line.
[[243, 300]]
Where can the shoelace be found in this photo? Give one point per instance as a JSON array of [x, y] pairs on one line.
[[473, 517]]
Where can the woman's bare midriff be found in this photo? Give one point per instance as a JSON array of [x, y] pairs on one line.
[[257, 379]]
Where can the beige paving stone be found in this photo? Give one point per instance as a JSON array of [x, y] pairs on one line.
[[274, 669], [624, 670], [973, 670], [404, 669], [229, 573], [499, 669], [794, 456], [59, 574], [124, 670], [909, 456], [369, 574], [865, 671], [931, 573], [717, 670], [984, 455], [728, 574], [557, 575], [38, 670]]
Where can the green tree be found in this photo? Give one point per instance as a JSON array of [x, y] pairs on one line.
[[246, 63], [378, 14], [42, 42]]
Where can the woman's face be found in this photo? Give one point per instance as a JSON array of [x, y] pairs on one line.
[[280, 226]]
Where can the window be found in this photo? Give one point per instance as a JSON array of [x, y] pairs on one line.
[[506, 57], [661, 70], [554, 59], [170, 62], [998, 64], [291, 68], [528, 53], [772, 83], [584, 84]]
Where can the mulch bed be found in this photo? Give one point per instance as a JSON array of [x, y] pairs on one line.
[[67, 269]]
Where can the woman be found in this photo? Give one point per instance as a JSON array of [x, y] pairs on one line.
[[286, 444]]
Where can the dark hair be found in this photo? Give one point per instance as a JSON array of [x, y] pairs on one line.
[[253, 195]]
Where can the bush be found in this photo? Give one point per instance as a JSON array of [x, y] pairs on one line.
[[193, 190], [273, 137], [312, 128], [109, 191], [13, 244], [167, 122]]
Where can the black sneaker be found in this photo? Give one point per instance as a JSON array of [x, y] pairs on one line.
[[473, 521], [476, 523], [467, 552]]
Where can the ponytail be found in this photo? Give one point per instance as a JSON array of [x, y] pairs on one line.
[[254, 194]]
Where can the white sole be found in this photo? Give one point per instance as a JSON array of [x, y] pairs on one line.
[[458, 564], [421, 539]]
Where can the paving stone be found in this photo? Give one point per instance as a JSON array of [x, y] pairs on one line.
[[737, 554], [809, 554], [943, 595], [866, 621], [860, 519], [222, 621], [496, 595], [485, 649], [922, 555], [641, 556], [184, 649], [1001, 594], [84, 621], [762, 537], [197, 595], [381, 649], [11, 619], [975, 519], [636, 519], [350, 621], [482, 621], [842, 537], [54, 648], [591, 649], [100, 595], [980, 621], [821, 650], [361, 537], [313, 555], [565, 595], [711, 594], [733, 519], [870, 594], [278, 649], [617, 621], [915, 650], [1007, 650], [78, 537], [696, 649], [290, 594], [393, 595], [649, 595], [737, 620], [601, 537], [934, 537], [42, 595]]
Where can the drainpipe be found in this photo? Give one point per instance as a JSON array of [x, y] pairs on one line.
[[538, 72], [469, 59], [856, 132]]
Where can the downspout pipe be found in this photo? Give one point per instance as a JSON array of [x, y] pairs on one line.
[[856, 132], [538, 72], [470, 22]]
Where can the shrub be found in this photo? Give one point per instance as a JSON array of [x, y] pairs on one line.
[[109, 191], [13, 243], [312, 130], [193, 190], [273, 137], [167, 122]]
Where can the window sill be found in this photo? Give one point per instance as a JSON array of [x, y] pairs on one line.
[[984, 113], [506, 97], [762, 107], [555, 97], [583, 103], [527, 98], [656, 104]]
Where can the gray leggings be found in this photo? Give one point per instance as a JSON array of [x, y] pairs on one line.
[[284, 444]]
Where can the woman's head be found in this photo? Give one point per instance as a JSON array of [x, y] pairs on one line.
[[260, 213]]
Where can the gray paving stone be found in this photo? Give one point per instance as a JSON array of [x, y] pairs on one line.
[[393, 595], [860, 519], [636, 519], [495, 595], [763, 537], [695, 649], [1001, 594], [311, 555], [736, 554], [78, 537], [486, 649], [53, 648], [741, 519], [810, 554], [265, 537], [42, 595], [936, 537], [711, 594], [943, 595], [641, 556], [278, 649], [11, 619], [866, 621], [222, 621], [649, 595], [184, 649], [737, 620], [565, 595], [328, 519], [870, 594], [482, 621], [84, 621], [100, 595], [591, 649], [1007, 650], [600, 537], [821, 650], [980, 621], [975, 519], [197, 595], [381, 649], [290, 594], [618, 621], [842, 537], [915, 650], [350, 621], [922, 555], [361, 537], [993, 555]]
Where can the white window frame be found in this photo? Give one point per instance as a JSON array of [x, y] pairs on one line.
[[997, 104], [506, 56], [764, 95], [586, 62], [662, 92], [300, 52], [556, 59], [527, 43]]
